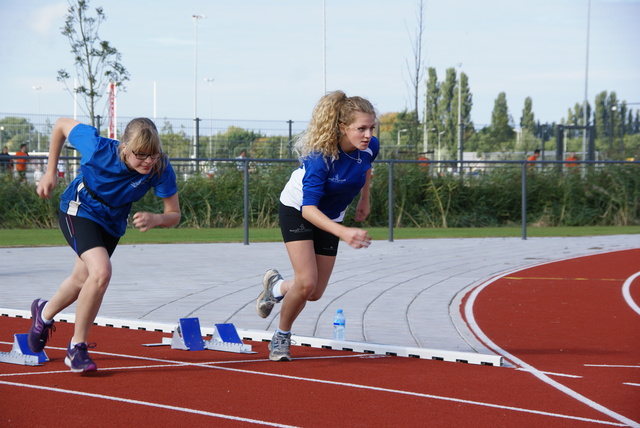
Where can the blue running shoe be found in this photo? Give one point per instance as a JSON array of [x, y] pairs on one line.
[[78, 358], [39, 332]]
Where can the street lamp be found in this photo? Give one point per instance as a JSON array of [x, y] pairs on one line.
[[613, 113], [195, 83], [209, 80], [399, 131], [439, 164], [37, 89]]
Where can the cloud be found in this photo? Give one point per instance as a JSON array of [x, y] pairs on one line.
[[48, 20]]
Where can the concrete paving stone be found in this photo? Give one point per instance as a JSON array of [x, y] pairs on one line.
[[404, 293]]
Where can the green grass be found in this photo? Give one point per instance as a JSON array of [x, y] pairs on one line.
[[53, 237]]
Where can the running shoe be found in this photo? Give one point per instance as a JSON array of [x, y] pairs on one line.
[[39, 332], [279, 347], [265, 301], [78, 358]]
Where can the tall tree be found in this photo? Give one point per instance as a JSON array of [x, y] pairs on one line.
[[416, 68], [97, 63], [528, 121], [432, 99], [446, 113], [501, 122], [462, 89]]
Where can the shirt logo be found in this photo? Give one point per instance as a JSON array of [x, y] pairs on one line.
[[337, 179]]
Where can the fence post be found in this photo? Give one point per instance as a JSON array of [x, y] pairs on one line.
[[391, 201], [524, 200], [290, 143], [246, 200]]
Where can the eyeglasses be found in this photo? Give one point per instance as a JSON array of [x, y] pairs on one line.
[[144, 156]]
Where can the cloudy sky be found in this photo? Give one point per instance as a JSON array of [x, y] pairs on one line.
[[267, 58]]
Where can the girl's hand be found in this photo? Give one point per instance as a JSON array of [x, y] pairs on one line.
[[144, 221], [46, 185], [356, 238]]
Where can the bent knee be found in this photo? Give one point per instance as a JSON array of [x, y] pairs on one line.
[[101, 278]]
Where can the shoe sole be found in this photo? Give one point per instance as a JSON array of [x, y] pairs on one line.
[[34, 313], [280, 358], [91, 368], [265, 284]]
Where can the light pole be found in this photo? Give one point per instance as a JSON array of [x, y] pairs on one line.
[[195, 81], [209, 80], [37, 89], [439, 164], [399, 131], [613, 115]]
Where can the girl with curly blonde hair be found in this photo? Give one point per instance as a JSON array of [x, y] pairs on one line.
[[337, 151]]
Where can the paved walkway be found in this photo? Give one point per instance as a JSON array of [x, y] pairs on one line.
[[404, 293]]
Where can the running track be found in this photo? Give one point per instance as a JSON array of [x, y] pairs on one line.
[[569, 330]]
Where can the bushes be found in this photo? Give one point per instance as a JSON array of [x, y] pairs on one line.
[[605, 196]]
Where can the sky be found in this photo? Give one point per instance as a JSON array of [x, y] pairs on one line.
[[272, 60]]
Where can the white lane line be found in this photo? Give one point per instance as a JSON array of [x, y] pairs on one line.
[[214, 365], [612, 365], [468, 310], [627, 293], [147, 403], [553, 374], [631, 384]]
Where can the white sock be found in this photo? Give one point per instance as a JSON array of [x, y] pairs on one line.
[[277, 293], [278, 331], [46, 321]]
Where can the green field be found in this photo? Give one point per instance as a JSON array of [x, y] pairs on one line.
[[53, 237]]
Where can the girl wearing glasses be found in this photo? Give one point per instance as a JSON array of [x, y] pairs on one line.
[[336, 151], [94, 210]]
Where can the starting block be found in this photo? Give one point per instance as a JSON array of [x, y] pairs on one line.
[[188, 336], [21, 354]]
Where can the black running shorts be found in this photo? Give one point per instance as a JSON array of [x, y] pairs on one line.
[[83, 234], [295, 228]]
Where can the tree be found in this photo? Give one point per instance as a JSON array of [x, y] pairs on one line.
[[97, 63], [416, 70], [527, 121], [462, 89], [15, 131], [446, 113], [501, 122], [432, 99]]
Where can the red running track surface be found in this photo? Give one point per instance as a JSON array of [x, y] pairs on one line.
[[551, 316]]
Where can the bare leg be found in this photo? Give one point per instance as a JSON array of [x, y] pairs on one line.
[[90, 298], [311, 276], [87, 284], [68, 291]]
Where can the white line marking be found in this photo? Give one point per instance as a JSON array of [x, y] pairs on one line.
[[627, 293], [146, 403], [214, 365], [468, 310], [553, 374], [631, 384], [612, 365]]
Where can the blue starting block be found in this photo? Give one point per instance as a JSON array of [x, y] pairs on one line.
[[188, 336], [21, 354]]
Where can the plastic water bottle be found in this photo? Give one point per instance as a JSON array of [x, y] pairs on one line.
[[339, 322]]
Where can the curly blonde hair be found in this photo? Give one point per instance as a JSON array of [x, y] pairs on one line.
[[323, 134], [141, 135]]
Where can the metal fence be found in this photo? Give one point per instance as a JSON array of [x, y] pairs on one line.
[[187, 167]]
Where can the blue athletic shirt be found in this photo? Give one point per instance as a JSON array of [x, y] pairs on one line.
[[102, 171], [329, 185]]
